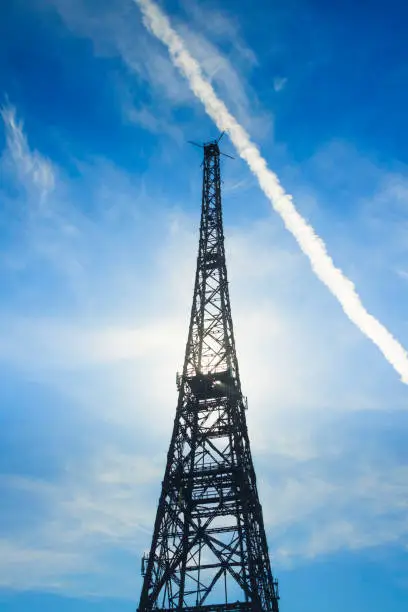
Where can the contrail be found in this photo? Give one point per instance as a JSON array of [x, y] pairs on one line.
[[311, 244]]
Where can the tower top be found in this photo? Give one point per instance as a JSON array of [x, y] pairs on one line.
[[211, 148]]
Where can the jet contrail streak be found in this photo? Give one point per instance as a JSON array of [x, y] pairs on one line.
[[311, 244]]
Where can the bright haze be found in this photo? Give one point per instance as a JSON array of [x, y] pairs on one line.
[[100, 202]]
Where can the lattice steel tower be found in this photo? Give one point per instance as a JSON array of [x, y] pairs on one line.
[[209, 551]]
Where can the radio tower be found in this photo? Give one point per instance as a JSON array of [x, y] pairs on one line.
[[209, 551]]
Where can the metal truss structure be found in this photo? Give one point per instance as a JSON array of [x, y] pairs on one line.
[[209, 551]]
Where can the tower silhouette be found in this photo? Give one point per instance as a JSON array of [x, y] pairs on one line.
[[209, 551]]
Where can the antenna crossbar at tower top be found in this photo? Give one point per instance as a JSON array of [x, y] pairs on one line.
[[209, 551]]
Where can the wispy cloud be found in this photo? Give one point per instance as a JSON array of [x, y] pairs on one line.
[[279, 83], [45, 229], [32, 168], [226, 59], [94, 509], [222, 26], [106, 506], [53, 230], [359, 508]]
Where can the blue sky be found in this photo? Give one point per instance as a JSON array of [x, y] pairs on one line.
[[100, 197]]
